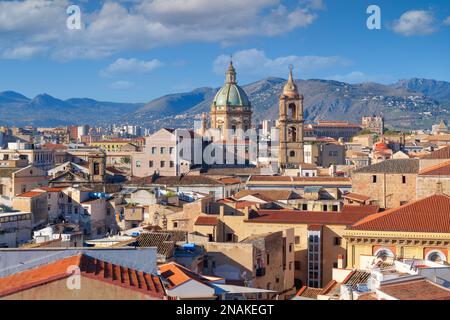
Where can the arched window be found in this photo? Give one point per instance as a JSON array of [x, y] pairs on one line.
[[292, 154], [292, 111], [292, 133], [436, 256], [384, 253]]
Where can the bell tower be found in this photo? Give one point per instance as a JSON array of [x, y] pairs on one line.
[[290, 124]]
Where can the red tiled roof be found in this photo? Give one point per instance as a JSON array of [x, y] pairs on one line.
[[51, 189], [366, 209], [206, 221], [430, 214], [443, 153], [270, 178], [54, 146], [307, 292], [442, 169], [307, 217], [89, 267], [29, 194], [416, 290], [356, 197], [230, 180], [176, 275]]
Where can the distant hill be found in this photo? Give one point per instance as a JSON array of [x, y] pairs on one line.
[[45, 110], [403, 104], [439, 90], [414, 103]]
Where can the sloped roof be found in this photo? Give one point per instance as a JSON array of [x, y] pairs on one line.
[[176, 275], [443, 153], [392, 166], [430, 214], [356, 196], [89, 267], [347, 217], [421, 289], [206, 221], [29, 194], [442, 169], [308, 292]]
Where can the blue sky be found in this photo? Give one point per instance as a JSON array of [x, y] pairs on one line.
[[137, 50]]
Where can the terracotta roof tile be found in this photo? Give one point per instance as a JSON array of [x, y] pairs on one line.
[[442, 169], [416, 290], [307, 292], [309, 217], [206, 221], [430, 214], [176, 275], [356, 197], [90, 268], [29, 194], [443, 153]]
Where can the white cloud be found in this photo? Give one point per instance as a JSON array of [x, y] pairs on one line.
[[125, 66], [352, 77], [22, 52], [144, 24], [361, 77], [255, 62], [122, 85], [314, 4], [415, 22], [447, 21]]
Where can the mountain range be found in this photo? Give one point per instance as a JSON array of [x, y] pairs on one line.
[[412, 103]]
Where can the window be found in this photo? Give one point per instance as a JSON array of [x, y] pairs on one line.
[[150, 164], [290, 247], [335, 207], [297, 265], [436, 256], [403, 179], [229, 237], [292, 154], [297, 240], [210, 237], [374, 179], [162, 150], [163, 163], [335, 264], [175, 224], [171, 150], [384, 253], [337, 241], [138, 164], [268, 259], [172, 164], [305, 207], [96, 169], [153, 150]]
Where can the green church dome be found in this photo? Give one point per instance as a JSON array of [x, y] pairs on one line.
[[231, 94]]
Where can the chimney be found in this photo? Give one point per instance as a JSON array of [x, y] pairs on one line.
[[340, 261], [222, 211]]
